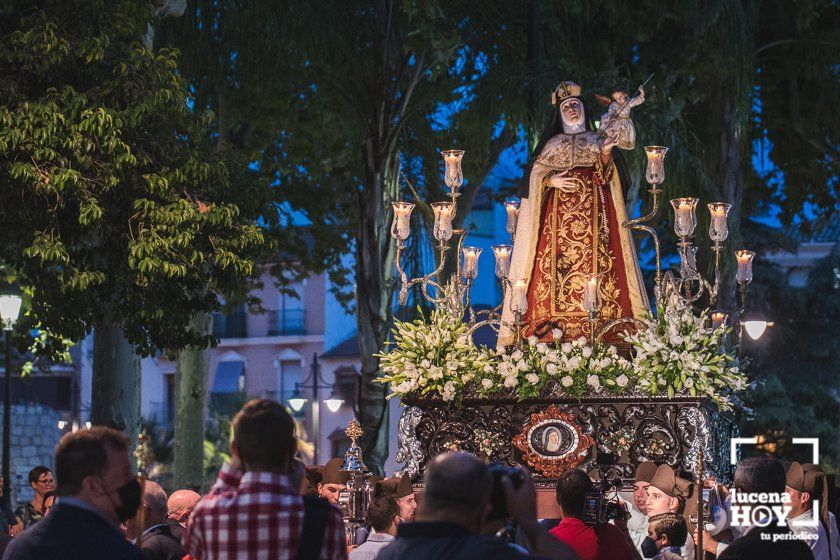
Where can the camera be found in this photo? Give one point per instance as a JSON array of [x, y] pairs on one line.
[[497, 495], [598, 507]]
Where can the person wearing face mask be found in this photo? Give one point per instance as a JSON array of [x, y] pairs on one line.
[[667, 533], [97, 491]]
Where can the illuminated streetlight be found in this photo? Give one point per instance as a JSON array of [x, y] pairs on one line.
[[297, 400], [333, 402], [9, 310]]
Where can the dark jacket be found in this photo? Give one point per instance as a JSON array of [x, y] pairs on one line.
[[759, 544], [425, 540], [71, 533], [163, 542]]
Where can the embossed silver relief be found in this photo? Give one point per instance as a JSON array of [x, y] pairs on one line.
[[663, 432], [409, 450]]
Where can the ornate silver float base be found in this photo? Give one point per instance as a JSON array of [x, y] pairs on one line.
[[671, 431]]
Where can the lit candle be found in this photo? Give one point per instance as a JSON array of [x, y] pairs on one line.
[[655, 172], [401, 226], [444, 212], [502, 254], [519, 298], [470, 266], [590, 294], [718, 319], [453, 176], [512, 209], [718, 228], [745, 258], [685, 217]]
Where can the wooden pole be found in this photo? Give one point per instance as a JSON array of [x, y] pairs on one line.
[[700, 523]]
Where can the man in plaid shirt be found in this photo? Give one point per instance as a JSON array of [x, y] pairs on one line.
[[259, 513]]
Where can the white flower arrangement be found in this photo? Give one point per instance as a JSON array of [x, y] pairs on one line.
[[578, 367], [432, 358], [677, 353]]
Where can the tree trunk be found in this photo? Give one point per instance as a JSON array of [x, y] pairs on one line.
[[115, 395], [374, 290], [188, 445]]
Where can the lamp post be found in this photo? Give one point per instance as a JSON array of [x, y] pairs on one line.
[[297, 400], [9, 311]]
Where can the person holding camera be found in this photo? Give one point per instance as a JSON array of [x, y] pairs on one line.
[[455, 507], [601, 541]]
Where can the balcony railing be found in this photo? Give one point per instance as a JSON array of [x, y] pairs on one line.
[[232, 325], [285, 322]]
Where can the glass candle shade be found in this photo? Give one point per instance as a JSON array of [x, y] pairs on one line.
[[592, 293], [718, 319], [453, 176], [401, 225], [655, 172], [718, 228], [745, 258], [469, 268], [685, 216], [444, 212], [502, 254], [519, 297], [512, 209]]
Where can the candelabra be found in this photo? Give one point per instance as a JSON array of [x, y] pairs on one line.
[[689, 286], [455, 293]]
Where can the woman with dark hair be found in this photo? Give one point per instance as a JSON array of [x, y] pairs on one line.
[[570, 227], [42, 482]]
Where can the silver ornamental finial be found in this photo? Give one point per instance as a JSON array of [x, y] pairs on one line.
[[353, 456]]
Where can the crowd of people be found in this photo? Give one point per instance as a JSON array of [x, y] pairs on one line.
[[266, 504]]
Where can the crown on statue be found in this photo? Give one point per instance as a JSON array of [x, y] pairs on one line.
[[564, 91]]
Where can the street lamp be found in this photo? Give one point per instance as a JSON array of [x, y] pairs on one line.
[[297, 400], [756, 327], [333, 402], [9, 311]]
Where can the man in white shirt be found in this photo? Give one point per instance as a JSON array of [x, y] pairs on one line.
[[809, 524], [637, 525], [668, 493], [383, 516]]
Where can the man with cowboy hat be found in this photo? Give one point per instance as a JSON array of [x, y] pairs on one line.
[[668, 493]]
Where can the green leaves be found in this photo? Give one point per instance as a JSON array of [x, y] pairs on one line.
[[112, 191]]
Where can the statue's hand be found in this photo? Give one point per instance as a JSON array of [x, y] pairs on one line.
[[565, 184], [610, 139]]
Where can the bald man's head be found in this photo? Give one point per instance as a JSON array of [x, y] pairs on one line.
[[154, 500], [456, 483], [181, 504]]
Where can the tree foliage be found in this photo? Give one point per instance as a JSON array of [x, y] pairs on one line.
[[115, 206]]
